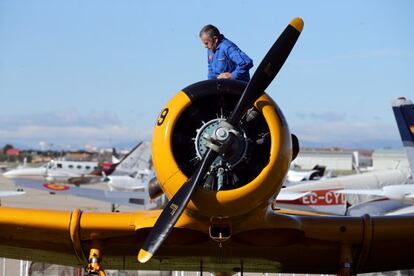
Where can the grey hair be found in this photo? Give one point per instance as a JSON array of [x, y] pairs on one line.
[[210, 30]]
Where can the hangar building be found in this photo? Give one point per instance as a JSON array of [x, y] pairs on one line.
[[383, 159]]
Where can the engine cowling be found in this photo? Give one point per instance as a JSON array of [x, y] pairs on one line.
[[236, 182]]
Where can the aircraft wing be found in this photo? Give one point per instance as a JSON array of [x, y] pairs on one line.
[[136, 199], [403, 211], [375, 192], [291, 195], [273, 243], [377, 207], [86, 179], [11, 193]]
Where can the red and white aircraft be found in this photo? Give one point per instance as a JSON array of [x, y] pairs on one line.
[[393, 186]]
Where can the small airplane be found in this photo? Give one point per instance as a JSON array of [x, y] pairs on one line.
[[131, 190], [404, 194], [328, 196], [137, 161], [73, 172], [55, 171], [220, 171], [322, 196], [325, 202]]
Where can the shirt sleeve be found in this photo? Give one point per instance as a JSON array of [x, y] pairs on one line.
[[240, 59]]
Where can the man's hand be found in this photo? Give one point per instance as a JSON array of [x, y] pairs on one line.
[[225, 75]]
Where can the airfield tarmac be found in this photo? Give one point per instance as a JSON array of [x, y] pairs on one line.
[[41, 199]]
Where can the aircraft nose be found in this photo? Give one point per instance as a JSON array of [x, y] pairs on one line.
[[9, 174]]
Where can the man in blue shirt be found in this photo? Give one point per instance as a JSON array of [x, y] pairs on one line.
[[225, 59]]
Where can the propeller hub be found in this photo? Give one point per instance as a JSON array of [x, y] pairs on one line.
[[216, 132], [221, 134]]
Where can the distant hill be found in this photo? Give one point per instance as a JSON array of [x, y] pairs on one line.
[[364, 144]]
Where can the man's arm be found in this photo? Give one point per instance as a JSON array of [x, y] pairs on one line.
[[242, 61]]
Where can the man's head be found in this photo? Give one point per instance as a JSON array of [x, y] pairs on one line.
[[210, 36]]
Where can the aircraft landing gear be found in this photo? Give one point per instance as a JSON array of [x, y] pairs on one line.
[[94, 267]]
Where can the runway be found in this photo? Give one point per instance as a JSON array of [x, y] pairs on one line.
[[41, 199]]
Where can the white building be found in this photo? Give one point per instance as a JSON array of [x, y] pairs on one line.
[[389, 159], [333, 160]]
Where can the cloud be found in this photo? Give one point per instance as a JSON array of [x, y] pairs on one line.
[[101, 129], [312, 62], [371, 54], [328, 116], [377, 53], [347, 134], [65, 118], [68, 128], [74, 137]]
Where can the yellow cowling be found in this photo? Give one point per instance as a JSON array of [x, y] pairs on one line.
[[224, 203]]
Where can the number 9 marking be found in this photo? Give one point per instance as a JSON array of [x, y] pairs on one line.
[[162, 116]]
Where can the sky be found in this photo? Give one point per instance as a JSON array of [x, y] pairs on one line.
[[97, 72]]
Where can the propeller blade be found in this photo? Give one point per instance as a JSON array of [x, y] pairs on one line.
[[268, 68], [174, 209], [261, 79]]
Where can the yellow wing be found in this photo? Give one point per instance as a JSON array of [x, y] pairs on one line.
[[263, 242]]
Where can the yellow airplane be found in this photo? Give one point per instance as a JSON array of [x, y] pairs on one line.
[[220, 161]]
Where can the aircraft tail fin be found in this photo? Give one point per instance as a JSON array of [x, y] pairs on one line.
[[404, 115], [115, 156], [139, 158]]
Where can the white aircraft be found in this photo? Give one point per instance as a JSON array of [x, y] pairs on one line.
[[77, 172], [132, 189], [133, 172], [54, 171], [138, 158], [321, 195], [324, 195], [141, 177], [403, 194], [128, 183]]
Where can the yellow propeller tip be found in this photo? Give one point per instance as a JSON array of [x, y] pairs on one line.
[[297, 23], [144, 256]]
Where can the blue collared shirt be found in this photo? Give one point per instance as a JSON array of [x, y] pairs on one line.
[[228, 58]]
